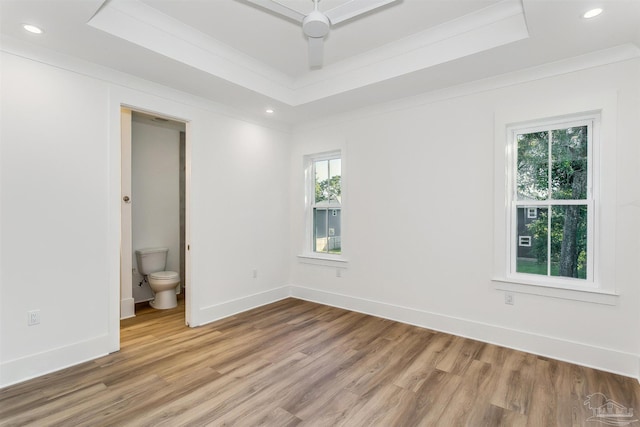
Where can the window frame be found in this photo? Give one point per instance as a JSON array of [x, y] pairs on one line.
[[512, 202], [308, 254], [603, 106], [524, 241]]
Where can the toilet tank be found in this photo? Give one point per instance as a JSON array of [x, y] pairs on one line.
[[151, 260]]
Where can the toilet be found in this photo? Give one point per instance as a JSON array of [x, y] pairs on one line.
[[151, 264]]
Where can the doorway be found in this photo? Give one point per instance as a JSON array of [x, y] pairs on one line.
[[154, 206]]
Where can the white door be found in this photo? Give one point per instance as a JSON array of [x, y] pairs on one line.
[[127, 304]]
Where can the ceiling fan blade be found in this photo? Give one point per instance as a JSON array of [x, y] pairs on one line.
[[352, 9], [279, 8], [316, 51]]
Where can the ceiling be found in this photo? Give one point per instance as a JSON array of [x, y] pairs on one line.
[[248, 58]]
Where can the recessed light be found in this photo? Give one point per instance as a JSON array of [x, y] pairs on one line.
[[592, 13], [32, 28], [269, 111]]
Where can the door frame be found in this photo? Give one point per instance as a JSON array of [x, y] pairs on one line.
[[127, 303]]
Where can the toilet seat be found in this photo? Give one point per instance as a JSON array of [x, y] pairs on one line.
[[164, 275], [163, 284]]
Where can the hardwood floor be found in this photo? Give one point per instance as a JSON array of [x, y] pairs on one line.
[[296, 363]]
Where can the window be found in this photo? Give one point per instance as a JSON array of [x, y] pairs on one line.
[[551, 199], [524, 241], [325, 203]]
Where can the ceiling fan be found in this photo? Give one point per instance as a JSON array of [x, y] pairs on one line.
[[316, 24]]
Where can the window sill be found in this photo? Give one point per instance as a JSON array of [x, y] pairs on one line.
[[325, 260], [585, 294]]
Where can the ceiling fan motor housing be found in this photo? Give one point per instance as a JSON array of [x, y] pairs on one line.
[[316, 24]]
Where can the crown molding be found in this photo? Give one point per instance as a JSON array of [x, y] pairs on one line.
[[138, 23], [621, 53], [484, 29], [145, 26], [32, 52]]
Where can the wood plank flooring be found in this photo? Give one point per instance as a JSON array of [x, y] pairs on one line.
[[296, 363]]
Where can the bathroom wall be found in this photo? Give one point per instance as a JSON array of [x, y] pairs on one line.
[[155, 192]]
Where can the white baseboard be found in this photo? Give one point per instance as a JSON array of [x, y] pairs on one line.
[[609, 360], [229, 308], [127, 308], [35, 365], [627, 364]]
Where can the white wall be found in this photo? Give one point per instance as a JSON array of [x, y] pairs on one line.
[[60, 198], [239, 208], [155, 190], [419, 217], [55, 169]]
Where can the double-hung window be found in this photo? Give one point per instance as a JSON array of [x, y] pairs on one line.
[[325, 203], [551, 201]]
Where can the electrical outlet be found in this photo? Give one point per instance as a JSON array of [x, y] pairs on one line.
[[254, 273], [508, 298], [33, 317], [338, 272]]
